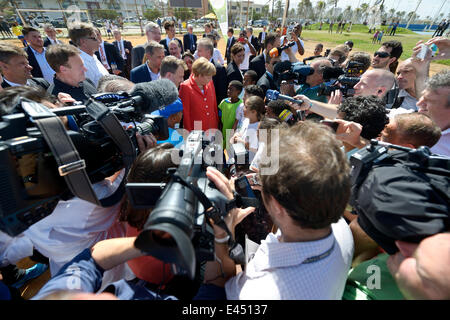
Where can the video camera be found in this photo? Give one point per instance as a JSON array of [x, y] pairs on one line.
[[285, 70], [178, 230], [400, 193], [343, 80], [42, 162]]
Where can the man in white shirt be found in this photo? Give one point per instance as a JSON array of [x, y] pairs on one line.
[[84, 37], [299, 46], [310, 254], [406, 76], [435, 102]]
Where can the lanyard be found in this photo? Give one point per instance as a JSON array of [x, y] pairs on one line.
[[320, 256]]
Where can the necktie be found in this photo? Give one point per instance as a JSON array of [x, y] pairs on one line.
[[192, 43], [103, 58], [122, 50]]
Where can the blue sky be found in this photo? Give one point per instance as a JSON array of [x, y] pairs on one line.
[[426, 8]]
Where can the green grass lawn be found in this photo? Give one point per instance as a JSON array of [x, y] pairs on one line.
[[362, 40]]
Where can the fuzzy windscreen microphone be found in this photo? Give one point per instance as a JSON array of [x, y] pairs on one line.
[[155, 95]]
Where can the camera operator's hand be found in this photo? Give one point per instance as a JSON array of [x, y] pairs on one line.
[[350, 132], [145, 142], [65, 99], [335, 97], [226, 187]]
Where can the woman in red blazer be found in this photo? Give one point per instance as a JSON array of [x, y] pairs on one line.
[[199, 97]]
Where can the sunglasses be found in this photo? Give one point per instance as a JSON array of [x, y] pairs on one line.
[[382, 54]]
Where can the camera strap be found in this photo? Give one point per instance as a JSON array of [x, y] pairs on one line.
[[70, 165]]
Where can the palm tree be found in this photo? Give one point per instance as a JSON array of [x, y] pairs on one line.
[[279, 8], [320, 7], [392, 12], [365, 10], [348, 13]]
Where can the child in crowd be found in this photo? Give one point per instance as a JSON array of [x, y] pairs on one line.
[[375, 36], [251, 90], [228, 106], [17, 30], [254, 110], [380, 36], [250, 77], [264, 136]]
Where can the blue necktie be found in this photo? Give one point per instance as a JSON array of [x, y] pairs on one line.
[[192, 43]]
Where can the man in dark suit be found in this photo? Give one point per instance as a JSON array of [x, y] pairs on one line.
[[230, 42], [153, 33], [190, 40], [261, 38], [205, 49], [109, 56], [51, 35], [258, 63], [16, 69], [169, 26], [149, 71], [253, 40], [36, 54], [124, 47], [266, 82]]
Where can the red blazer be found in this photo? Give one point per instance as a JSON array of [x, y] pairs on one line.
[[198, 106]]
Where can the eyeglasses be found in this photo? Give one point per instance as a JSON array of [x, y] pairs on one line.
[[92, 38], [382, 54]]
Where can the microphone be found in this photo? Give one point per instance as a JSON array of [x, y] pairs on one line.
[[154, 95], [275, 95], [275, 52]]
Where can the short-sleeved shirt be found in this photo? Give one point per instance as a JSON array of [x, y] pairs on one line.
[[228, 116]]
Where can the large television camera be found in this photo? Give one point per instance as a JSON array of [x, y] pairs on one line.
[[296, 72], [343, 80], [178, 230], [400, 193], [41, 162]]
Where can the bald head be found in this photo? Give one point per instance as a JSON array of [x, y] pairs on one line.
[[406, 75], [375, 82]]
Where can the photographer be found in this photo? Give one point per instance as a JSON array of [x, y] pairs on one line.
[[310, 228], [375, 82], [311, 87]]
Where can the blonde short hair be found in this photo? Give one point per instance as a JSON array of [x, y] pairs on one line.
[[203, 67]]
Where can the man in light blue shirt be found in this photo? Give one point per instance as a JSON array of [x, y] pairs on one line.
[[36, 55]]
